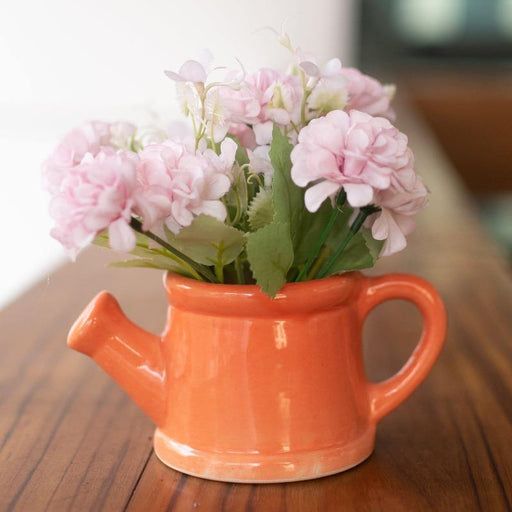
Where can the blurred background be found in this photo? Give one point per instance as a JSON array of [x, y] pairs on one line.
[[453, 61], [64, 62]]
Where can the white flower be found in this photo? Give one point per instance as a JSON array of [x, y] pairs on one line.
[[222, 163], [330, 93], [259, 163], [121, 135]]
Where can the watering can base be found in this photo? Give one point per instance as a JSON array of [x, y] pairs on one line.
[[258, 468]]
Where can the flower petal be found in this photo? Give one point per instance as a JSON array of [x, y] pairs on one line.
[[318, 193], [310, 68], [263, 133], [215, 209], [358, 194], [193, 71], [121, 236]]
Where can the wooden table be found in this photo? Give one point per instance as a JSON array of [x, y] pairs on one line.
[[71, 440]]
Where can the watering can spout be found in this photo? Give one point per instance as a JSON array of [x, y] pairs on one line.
[[128, 353]]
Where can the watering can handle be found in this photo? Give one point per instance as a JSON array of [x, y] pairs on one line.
[[387, 395]]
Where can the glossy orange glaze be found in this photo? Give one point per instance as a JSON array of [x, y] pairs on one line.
[[248, 389]]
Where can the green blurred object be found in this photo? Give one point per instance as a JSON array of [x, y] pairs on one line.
[[496, 211]]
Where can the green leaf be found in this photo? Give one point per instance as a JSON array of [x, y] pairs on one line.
[[361, 252], [157, 257], [151, 263], [355, 256], [101, 240], [270, 248], [260, 212], [208, 241], [374, 246], [270, 255], [287, 198]]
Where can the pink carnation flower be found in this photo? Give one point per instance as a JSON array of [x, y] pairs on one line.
[[354, 151], [93, 196], [279, 97], [222, 163], [239, 101], [87, 138], [367, 94], [406, 197], [278, 94], [176, 185], [395, 220]]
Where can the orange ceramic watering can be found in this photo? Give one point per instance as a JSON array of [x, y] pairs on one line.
[[243, 388]]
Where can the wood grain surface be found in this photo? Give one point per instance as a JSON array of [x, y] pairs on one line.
[[70, 440]]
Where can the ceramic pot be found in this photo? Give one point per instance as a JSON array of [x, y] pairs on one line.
[[243, 388]]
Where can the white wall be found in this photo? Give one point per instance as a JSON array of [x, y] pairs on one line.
[[65, 61]]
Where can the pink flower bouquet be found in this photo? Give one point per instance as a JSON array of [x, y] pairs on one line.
[[283, 177]]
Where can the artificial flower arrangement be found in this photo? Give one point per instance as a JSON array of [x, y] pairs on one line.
[[284, 177]]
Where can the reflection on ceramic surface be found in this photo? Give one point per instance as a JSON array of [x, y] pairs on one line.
[[248, 389]]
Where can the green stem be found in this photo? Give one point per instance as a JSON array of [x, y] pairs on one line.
[[340, 200], [202, 128], [304, 99], [186, 266], [319, 263], [202, 270], [354, 228], [305, 96], [219, 272], [238, 214], [240, 279], [294, 126]]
